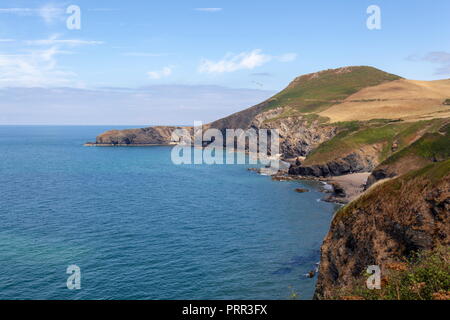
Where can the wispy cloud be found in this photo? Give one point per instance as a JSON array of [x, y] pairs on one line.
[[440, 58], [143, 54], [209, 9], [158, 104], [261, 74], [244, 60], [163, 73], [68, 42], [7, 40], [35, 69], [230, 63], [287, 57], [49, 12], [36, 63]]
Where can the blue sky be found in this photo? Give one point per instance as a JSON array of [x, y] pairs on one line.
[[258, 45]]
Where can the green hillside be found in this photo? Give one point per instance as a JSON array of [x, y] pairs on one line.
[[354, 135], [433, 146], [315, 92]]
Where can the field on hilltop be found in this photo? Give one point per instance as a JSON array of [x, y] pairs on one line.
[[400, 99]]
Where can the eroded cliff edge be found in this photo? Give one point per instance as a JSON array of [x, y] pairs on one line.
[[387, 224]]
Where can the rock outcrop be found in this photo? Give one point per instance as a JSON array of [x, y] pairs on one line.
[[145, 136], [298, 135], [363, 160]]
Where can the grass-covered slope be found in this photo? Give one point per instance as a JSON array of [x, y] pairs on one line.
[[317, 91], [389, 135], [433, 146]]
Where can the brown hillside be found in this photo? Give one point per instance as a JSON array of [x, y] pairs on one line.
[[405, 99]]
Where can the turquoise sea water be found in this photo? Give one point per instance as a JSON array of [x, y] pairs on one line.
[[140, 227]]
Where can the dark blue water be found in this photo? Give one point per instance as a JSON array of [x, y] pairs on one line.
[[140, 227]]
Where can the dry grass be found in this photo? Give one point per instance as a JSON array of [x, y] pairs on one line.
[[400, 99]]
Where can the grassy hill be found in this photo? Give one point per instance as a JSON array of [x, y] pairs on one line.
[[390, 136], [433, 146], [317, 91]]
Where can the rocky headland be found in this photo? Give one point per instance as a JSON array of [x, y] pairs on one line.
[[380, 140]]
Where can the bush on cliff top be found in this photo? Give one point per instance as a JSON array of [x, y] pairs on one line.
[[425, 276]]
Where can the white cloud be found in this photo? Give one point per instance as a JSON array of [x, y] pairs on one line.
[[242, 61], [143, 54], [19, 11], [164, 72], [209, 9], [287, 57], [38, 66], [36, 69], [49, 13], [68, 42], [53, 40]]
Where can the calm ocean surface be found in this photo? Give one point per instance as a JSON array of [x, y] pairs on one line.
[[140, 227]]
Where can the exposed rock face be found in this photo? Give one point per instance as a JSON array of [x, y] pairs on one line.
[[151, 135], [363, 160], [298, 137], [388, 223], [379, 174]]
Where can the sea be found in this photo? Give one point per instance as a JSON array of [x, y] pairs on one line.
[[126, 223]]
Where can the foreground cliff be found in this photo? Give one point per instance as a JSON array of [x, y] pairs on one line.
[[388, 224]]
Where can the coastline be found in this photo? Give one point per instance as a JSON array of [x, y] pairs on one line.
[[106, 145], [341, 189]]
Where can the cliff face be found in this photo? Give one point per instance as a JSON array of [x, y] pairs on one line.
[[144, 136], [388, 223], [363, 159], [298, 135]]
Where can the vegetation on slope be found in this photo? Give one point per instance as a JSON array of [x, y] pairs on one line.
[[433, 146], [424, 176], [424, 276], [315, 92], [392, 135]]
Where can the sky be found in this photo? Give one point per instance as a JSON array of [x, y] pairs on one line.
[[173, 62]]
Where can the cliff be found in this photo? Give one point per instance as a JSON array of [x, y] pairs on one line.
[[387, 224]]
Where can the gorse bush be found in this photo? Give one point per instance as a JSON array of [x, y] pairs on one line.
[[425, 276]]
